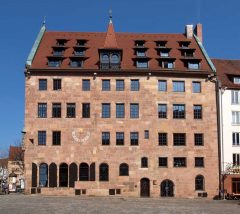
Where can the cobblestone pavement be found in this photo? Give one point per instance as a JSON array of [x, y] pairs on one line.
[[24, 204]]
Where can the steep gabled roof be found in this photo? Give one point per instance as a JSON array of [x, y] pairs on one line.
[[110, 41]]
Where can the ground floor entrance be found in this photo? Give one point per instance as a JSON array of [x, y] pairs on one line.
[[167, 188], [145, 187]]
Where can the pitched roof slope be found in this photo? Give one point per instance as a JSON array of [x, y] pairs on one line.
[[110, 41], [226, 69]]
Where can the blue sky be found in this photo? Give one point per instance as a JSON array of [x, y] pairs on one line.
[[20, 21]]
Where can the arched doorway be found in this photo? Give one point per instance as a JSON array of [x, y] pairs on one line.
[[167, 188], [145, 187], [63, 175]]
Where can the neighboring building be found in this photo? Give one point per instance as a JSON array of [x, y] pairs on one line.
[[15, 168], [129, 114], [228, 73], [3, 171]]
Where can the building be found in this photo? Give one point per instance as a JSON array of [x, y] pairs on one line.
[[128, 114], [15, 168], [3, 171], [228, 73]]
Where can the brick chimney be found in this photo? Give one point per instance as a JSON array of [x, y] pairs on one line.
[[189, 31], [198, 32]]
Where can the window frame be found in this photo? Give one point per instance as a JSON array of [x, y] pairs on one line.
[[56, 138], [178, 86], [134, 110], [134, 138], [42, 85], [57, 84], [177, 139], [106, 85], [86, 85], [106, 110]]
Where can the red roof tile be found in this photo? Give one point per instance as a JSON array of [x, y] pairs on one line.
[[226, 70], [110, 41]]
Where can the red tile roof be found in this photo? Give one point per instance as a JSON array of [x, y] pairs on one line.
[[15, 153], [123, 41], [226, 70]]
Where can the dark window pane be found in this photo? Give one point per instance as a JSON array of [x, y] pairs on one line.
[[105, 138], [178, 111], [123, 169], [162, 161], [106, 85], [144, 162], [197, 111], [56, 138], [179, 162], [71, 110], [120, 138], [43, 175], [199, 162], [178, 86], [199, 182], [86, 85], [162, 139], [146, 134], [196, 87], [86, 110], [42, 85], [103, 172], [134, 138], [42, 137], [179, 139], [56, 110], [134, 85], [134, 110], [57, 84], [162, 85], [120, 110], [42, 110], [198, 139], [119, 85], [162, 110], [106, 110]]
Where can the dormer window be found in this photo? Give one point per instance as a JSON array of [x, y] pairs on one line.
[[105, 58], [139, 43], [142, 64], [168, 65], [81, 42], [114, 58], [76, 63], [141, 53], [164, 53], [58, 52], [161, 44], [61, 42], [79, 52], [236, 80], [110, 60], [54, 63], [184, 44], [193, 65]]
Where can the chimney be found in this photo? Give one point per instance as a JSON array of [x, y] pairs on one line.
[[189, 31], [198, 32]]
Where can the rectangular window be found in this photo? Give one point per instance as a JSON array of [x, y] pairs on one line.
[[76, 63], [42, 110], [162, 85], [236, 159], [54, 63], [196, 87], [106, 85], [42, 85], [86, 85], [119, 138], [142, 64], [162, 110], [42, 137], [163, 162], [199, 162], [86, 110], [178, 111], [57, 84], [119, 85], [235, 139], [146, 134], [164, 53], [105, 138], [179, 162], [198, 139], [106, 108], [236, 117], [235, 97], [162, 139], [166, 64], [179, 139], [134, 138], [56, 138], [71, 110], [193, 66], [134, 110], [141, 53], [120, 110], [134, 85], [197, 111], [178, 86], [56, 110], [236, 80]]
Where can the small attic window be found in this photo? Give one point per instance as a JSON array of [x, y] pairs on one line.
[[184, 44], [236, 80], [139, 43], [81, 42], [161, 44], [61, 42]]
